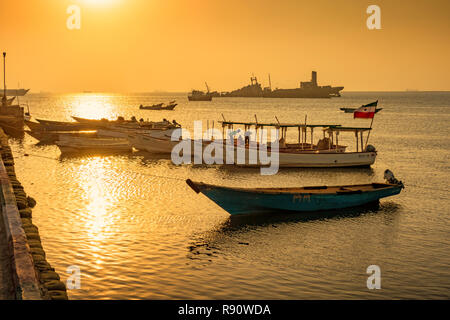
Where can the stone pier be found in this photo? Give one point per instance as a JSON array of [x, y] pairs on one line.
[[25, 273]]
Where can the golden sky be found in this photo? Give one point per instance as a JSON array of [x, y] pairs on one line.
[[176, 45]]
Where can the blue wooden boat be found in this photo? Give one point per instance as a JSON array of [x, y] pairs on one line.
[[302, 199]]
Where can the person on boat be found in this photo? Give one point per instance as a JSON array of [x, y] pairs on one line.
[[133, 119], [323, 144], [247, 135], [240, 141], [282, 143], [231, 134]]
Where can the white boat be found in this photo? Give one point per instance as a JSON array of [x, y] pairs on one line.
[[326, 153], [157, 142], [73, 144], [124, 132]]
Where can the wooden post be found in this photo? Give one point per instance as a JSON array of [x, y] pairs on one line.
[[368, 134], [356, 135], [362, 148], [337, 140], [329, 139], [4, 78], [332, 139], [312, 137]]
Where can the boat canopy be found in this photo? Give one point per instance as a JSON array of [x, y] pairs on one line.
[[340, 128], [278, 125]]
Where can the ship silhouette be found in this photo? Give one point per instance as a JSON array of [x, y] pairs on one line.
[[307, 89]]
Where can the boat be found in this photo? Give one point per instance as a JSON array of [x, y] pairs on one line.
[[158, 105], [14, 92], [237, 200], [326, 153], [53, 136], [351, 110], [307, 89], [11, 116], [101, 122], [132, 124], [197, 95], [124, 132], [81, 144], [50, 125], [157, 142], [170, 106]]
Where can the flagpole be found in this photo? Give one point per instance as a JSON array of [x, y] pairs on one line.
[[371, 122]]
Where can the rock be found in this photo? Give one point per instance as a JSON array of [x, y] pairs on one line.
[[58, 295], [25, 213], [31, 202], [55, 285], [38, 251], [49, 275], [33, 236], [38, 257]]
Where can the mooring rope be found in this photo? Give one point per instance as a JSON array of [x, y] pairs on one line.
[[25, 154]]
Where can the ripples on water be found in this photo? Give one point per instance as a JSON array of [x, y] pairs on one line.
[[136, 235]]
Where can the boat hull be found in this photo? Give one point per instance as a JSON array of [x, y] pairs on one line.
[[240, 201], [73, 144], [200, 98], [159, 144], [351, 110], [168, 107], [14, 92], [163, 144], [53, 136]]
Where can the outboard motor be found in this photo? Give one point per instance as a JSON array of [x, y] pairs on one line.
[[389, 176], [371, 148]]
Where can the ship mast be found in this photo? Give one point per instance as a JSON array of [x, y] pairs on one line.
[[207, 88], [4, 79], [270, 83]]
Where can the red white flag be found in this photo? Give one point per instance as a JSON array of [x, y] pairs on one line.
[[364, 112]]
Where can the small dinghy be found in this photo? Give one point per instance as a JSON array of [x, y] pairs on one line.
[[351, 110], [160, 106], [301, 199]]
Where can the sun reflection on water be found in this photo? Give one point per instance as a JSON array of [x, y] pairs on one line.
[[94, 106], [94, 180]]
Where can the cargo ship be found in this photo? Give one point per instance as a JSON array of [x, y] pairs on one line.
[[307, 89]]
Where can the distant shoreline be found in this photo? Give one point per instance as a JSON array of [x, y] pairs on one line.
[[186, 93]]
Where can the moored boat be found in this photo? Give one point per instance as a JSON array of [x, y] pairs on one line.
[[170, 106], [50, 125], [124, 132], [351, 110], [157, 142], [326, 153], [53, 136], [302, 199], [80, 144], [15, 92]]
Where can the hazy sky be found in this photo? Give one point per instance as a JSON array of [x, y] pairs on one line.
[[176, 45]]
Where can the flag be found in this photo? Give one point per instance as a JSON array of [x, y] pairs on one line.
[[366, 111]]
